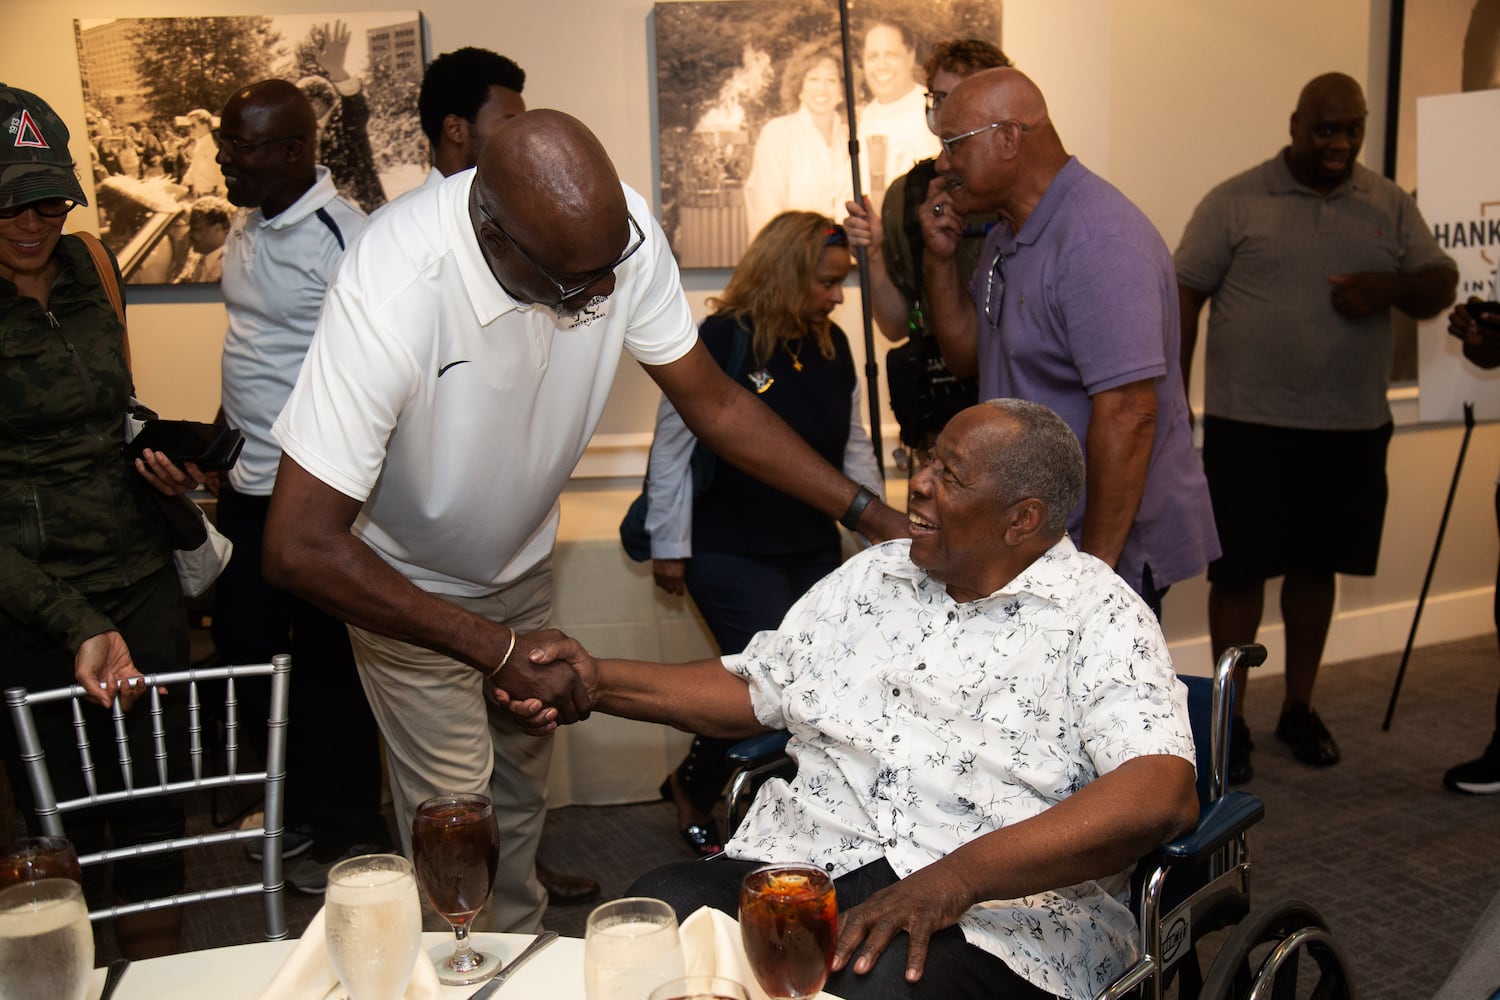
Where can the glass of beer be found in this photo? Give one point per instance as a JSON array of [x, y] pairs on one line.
[[33, 858], [701, 988], [630, 948], [456, 847], [373, 925], [46, 943], [789, 924]]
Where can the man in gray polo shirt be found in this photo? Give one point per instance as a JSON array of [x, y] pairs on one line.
[[1303, 256]]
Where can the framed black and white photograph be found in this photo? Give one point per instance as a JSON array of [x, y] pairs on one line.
[[152, 91], [751, 105]]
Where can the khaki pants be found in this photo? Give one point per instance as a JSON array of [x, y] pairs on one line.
[[442, 735]]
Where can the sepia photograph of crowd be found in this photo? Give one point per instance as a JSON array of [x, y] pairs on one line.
[[152, 90]]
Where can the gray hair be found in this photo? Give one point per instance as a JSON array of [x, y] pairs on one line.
[[1042, 459]]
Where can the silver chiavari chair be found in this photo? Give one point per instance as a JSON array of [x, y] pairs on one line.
[[194, 768]]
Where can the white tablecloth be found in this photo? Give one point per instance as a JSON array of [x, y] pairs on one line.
[[242, 971]]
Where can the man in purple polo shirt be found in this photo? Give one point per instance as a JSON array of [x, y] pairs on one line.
[[1074, 305]]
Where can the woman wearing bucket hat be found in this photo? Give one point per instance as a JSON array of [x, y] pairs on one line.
[[88, 592]]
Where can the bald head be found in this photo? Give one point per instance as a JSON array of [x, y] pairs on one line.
[[1338, 87], [1327, 130], [280, 105], [268, 146], [1013, 153], [547, 181], [1000, 94]]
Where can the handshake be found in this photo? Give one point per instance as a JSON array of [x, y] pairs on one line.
[[549, 679]]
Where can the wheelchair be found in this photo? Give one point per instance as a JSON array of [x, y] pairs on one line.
[[1185, 890]]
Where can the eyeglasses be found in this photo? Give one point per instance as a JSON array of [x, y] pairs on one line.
[[994, 290], [565, 293], [949, 143], [934, 101], [47, 208], [242, 146]]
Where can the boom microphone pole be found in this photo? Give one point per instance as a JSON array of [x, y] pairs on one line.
[[861, 257]]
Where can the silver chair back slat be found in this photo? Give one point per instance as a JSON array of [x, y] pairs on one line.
[[231, 728], [158, 736], [85, 755], [43, 798], [195, 731], [275, 798], [272, 779], [122, 746]]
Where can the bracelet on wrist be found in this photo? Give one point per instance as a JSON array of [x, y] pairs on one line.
[[857, 507], [506, 658]]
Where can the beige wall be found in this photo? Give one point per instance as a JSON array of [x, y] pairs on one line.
[[1164, 97]]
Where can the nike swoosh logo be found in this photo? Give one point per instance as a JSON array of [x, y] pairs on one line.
[[450, 364]]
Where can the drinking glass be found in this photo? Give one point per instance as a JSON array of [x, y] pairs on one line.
[[789, 925], [630, 948], [374, 925], [46, 943], [456, 847], [701, 988], [32, 858]]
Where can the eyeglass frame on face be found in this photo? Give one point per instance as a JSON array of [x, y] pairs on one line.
[[240, 146], [932, 102], [565, 293], [952, 141], [16, 211]]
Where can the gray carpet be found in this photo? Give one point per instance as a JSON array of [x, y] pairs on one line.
[[1400, 868]]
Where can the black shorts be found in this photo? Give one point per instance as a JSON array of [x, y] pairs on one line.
[[1291, 499]]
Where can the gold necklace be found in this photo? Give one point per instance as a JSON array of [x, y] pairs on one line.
[[796, 362]]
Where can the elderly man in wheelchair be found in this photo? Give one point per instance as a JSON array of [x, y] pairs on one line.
[[987, 729]]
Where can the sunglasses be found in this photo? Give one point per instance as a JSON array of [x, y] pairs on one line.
[[47, 208]]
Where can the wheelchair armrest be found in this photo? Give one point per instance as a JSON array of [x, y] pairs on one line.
[[1223, 819], [758, 748]]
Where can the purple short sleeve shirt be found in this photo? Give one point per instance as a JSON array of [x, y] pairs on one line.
[[1084, 300]]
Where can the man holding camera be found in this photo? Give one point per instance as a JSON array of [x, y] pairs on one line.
[[1304, 256]]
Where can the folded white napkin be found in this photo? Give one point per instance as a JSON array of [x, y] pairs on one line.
[[711, 946], [308, 974]]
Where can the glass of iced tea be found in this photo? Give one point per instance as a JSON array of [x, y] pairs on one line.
[[33, 858], [455, 847], [789, 924]]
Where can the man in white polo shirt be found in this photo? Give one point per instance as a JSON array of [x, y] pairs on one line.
[[460, 367], [281, 252]]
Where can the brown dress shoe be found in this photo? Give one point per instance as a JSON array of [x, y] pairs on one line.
[[566, 890]]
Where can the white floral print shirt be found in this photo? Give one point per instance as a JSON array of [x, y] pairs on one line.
[[920, 723]]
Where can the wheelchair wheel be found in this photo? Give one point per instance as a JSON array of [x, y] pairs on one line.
[[1263, 954]]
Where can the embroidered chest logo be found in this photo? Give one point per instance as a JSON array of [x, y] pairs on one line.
[[451, 364], [23, 127]]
